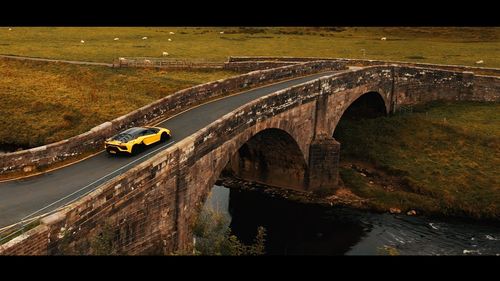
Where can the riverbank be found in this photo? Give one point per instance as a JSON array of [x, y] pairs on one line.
[[310, 229], [442, 159], [343, 199]]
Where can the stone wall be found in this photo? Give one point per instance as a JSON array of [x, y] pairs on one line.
[[485, 88], [420, 85], [364, 62], [150, 208], [255, 65], [43, 156]]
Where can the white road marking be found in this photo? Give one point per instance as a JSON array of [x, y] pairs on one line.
[[90, 184]]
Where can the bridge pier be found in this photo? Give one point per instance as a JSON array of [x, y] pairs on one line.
[[323, 172]]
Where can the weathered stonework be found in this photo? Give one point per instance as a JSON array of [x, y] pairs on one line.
[[254, 61], [152, 206], [323, 167], [256, 65]]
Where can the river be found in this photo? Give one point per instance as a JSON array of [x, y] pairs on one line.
[[298, 229]]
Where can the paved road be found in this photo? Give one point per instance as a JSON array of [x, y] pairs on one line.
[[26, 198]]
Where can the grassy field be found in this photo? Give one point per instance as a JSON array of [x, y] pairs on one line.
[[443, 159], [46, 102], [43, 102], [444, 45]]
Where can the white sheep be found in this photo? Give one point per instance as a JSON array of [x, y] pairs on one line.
[[121, 58], [169, 40], [82, 41], [147, 61], [144, 38], [171, 33], [479, 61], [10, 28], [222, 32], [116, 39], [383, 38], [165, 54]]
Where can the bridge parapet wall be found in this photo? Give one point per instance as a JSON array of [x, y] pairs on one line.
[[362, 62], [414, 85], [33, 159]]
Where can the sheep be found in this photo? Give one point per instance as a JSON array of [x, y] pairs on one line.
[[121, 58], [222, 32], [171, 33], [165, 54], [116, 39], [82, 41], [10, 29], [144, 38], [147, 61], [383, 38], [479, 61], [169, 40]]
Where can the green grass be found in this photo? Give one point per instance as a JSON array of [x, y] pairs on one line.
[[447, 154], [47, 102], [445, 45]]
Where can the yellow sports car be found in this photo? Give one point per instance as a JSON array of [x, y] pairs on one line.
[[136, 139]]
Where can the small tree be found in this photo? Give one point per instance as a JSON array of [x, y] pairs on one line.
[[213, 237]]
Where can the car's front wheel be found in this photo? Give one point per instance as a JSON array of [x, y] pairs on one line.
[[164, 137]]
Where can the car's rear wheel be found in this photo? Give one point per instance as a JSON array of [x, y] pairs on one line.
[[112, 150], [137, 148], [164, 137]]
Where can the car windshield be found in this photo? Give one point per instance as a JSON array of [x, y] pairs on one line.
[[128, 135]]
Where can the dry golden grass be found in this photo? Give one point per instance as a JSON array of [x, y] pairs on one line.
[[46, 102]]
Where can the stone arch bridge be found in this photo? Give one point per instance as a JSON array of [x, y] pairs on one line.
[[283, 139]]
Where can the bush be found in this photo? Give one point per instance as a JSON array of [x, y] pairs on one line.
[[102, 243]]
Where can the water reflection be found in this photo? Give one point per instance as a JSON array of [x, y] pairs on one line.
[[294, 228]]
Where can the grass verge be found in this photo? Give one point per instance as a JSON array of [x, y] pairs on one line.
[[442, 159]]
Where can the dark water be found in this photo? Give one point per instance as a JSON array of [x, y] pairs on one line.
[[296, 229]]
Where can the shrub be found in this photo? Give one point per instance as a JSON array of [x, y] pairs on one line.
[[213, 237]]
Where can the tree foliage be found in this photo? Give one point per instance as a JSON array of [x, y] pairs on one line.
[[213, 237]]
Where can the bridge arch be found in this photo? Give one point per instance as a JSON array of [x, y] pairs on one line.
[[282, 146], [361, 105], [272, 156]]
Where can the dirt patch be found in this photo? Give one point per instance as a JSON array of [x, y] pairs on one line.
[[378, 176], [342, 197]]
